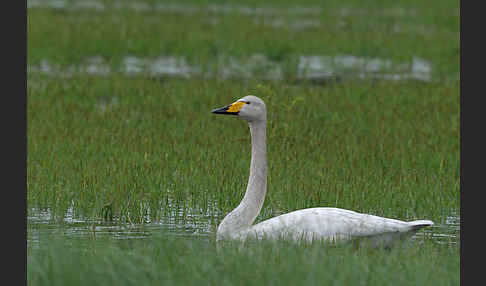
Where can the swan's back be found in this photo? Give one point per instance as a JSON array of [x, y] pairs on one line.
[[332, 224]]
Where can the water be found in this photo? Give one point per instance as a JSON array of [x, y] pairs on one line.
[[41, 224], [445, 232], [307, 67]]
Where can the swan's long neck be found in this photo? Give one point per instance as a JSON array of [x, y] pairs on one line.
[[257, 181], [245, 214]]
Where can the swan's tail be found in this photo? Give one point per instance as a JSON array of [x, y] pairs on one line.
[[418, 224]]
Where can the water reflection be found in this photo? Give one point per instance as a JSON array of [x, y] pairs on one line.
[[445, 232], [41, 224]]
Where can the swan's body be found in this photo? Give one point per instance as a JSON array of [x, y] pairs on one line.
[[321, 223]]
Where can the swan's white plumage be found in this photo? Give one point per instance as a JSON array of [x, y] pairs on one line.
[[322, 223], [331, 224]]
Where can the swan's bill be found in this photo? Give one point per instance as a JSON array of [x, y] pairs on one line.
[[232, 109]]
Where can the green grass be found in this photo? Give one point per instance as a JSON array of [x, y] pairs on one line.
[[170, 261], [387, 148]]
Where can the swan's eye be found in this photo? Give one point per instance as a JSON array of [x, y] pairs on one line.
[[247, 102]]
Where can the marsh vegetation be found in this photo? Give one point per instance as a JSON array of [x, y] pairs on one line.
[[117, 150]]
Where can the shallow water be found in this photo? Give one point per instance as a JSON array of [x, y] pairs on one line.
[[308, 67], [446, 231], [41, 225]]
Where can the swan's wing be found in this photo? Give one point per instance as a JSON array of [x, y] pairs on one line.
[[331, 224]]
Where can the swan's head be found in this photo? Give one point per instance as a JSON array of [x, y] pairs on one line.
[[250, 108]]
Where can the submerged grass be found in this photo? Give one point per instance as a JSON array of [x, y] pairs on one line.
[[174, 261]]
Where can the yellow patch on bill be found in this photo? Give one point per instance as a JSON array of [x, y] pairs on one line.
[[235, 107]]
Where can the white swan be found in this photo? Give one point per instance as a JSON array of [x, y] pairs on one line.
[[323, 223]]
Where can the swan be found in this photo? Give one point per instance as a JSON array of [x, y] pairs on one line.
[[323, 223]]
